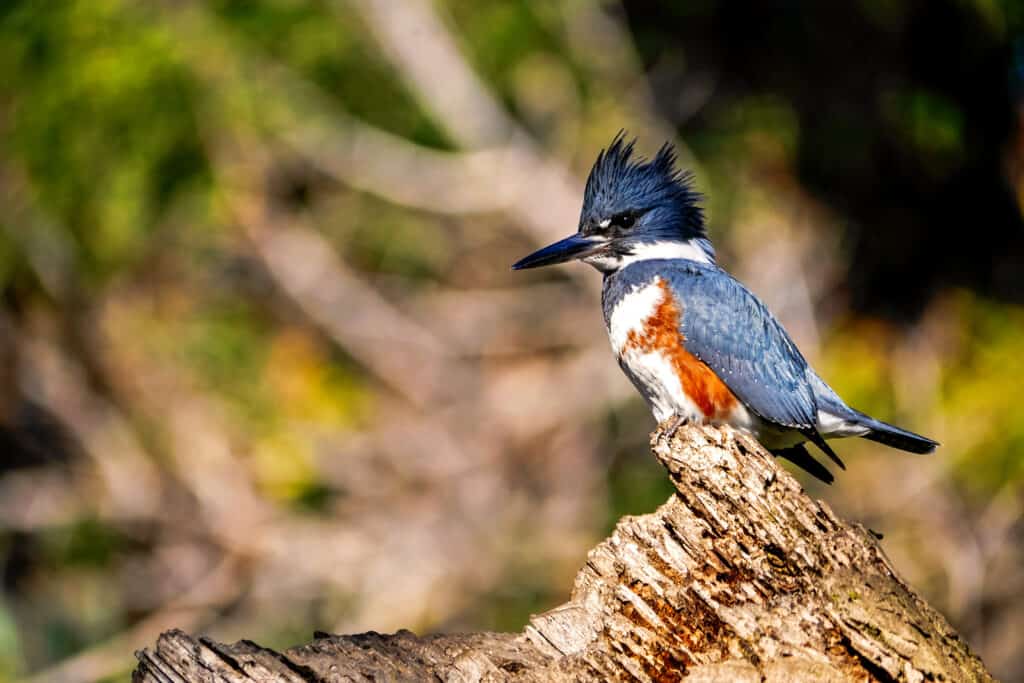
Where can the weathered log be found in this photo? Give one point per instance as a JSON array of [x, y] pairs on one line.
[[740, 576]]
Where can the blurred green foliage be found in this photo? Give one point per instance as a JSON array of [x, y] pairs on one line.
[[934, 125], [102, 120], [987, 428], [329, 45]]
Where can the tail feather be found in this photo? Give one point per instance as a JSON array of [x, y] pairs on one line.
[[799, 456], [882, 432], [899, 438], [891, 435], [818, 440]]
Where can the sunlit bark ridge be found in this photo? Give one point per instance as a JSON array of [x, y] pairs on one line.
[[740, 576]]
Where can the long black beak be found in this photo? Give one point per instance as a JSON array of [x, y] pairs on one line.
[[572, 247]]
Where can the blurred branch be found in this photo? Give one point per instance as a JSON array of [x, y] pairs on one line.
[[739, 576], [374, 161], [428, 58], [128, 477], [493, 173], [494, 322], [402, 354]]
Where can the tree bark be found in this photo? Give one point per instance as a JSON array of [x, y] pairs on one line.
[[740, 576]]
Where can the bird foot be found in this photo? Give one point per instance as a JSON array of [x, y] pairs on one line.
[[678, 422]]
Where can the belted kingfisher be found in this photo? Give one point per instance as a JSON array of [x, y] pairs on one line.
[[695, 342]]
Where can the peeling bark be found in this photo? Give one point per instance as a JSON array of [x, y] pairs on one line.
[[740, 576]]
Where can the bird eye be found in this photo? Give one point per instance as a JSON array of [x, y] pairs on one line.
[[624, 220]]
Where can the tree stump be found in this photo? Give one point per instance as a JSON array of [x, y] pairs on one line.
[[740, 576]]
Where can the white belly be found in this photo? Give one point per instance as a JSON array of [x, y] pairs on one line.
[[654, 377]]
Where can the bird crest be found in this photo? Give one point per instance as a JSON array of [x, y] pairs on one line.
[[619, 181]]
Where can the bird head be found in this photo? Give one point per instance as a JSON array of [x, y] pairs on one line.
[[633, 209]]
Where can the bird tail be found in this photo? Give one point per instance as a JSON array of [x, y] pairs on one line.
[[893, 436], [882, 432], [799, 456]]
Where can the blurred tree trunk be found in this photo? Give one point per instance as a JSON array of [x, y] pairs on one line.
[[739, 576]]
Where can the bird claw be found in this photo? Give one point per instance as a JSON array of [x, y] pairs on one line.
[[678, 422]]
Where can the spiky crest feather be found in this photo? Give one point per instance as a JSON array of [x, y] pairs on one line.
[[618, 181]]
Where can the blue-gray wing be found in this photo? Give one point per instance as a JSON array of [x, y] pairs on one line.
[[729, 329]]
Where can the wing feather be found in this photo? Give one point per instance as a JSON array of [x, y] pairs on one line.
[[734, 333]]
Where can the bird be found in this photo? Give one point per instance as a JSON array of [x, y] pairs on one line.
[[697, 344]]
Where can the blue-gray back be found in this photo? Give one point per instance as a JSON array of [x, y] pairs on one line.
[[728, 328]]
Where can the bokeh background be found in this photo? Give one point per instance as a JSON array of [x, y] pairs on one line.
[[264, 368]]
